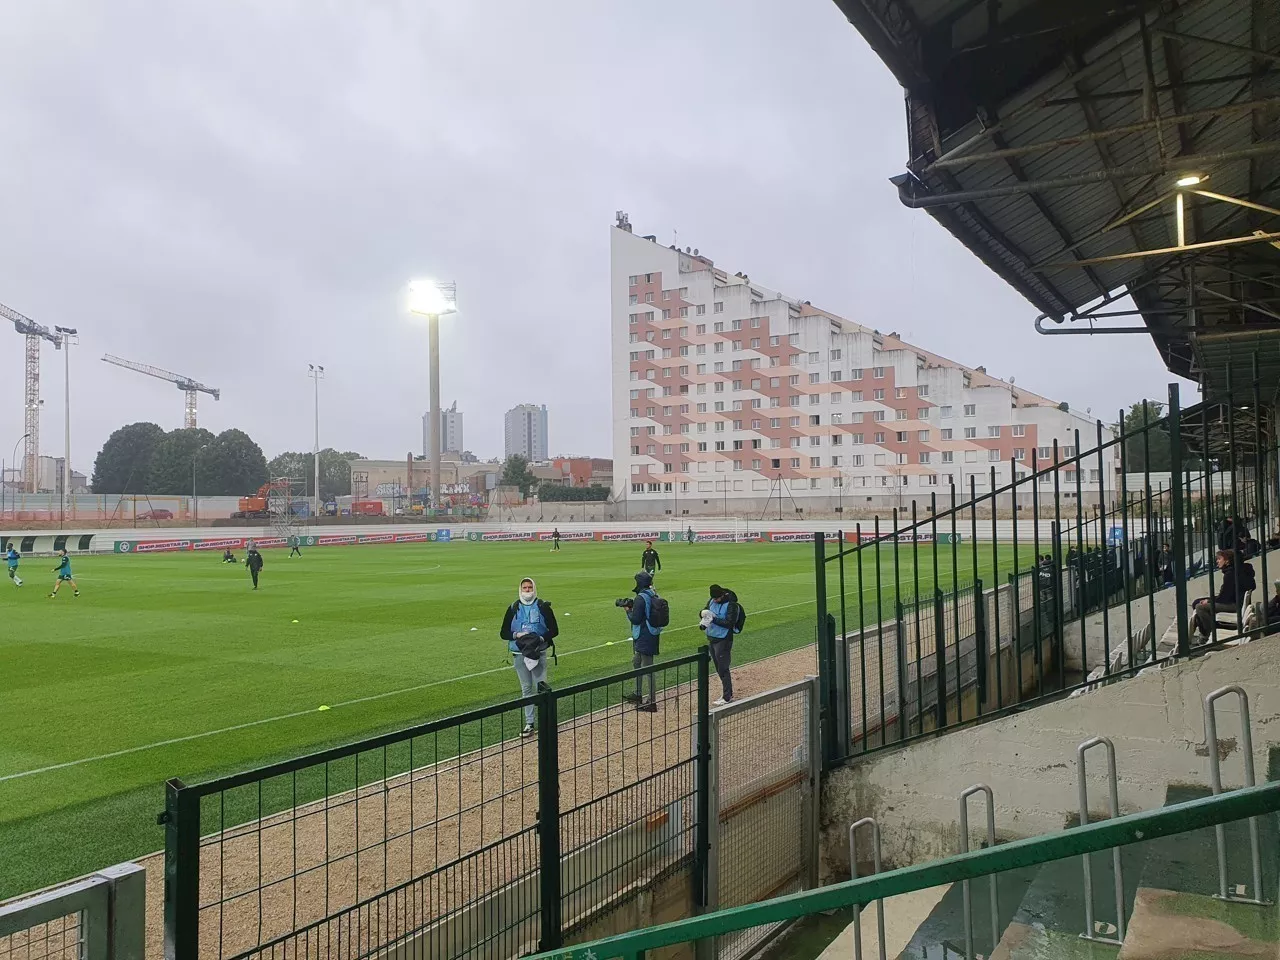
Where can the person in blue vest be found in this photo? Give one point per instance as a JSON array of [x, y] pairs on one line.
[[530, 629], [644, 642], [720, 621], [13, 557]]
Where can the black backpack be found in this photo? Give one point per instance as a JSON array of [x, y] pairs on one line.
[[659, 613], [741, 621]]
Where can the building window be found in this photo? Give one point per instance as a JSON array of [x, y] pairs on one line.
[[902, 459], [855, 373], [970, 409], [648, 298], [946, 413], [835, 376], [970, 433], [1019, 430], [993, 431], [855, 396], [815, 462], [922, 413], [684, 311], [993, 456], [815, 441], [878, 416], [1019, 453], [814, 356], [795, 463], [815, 378], [924, 457], [835, 396], [971, 456], [946, 433], [902, 436], [877, 372], [948, 456], [1068, 452], [1045, 453], [735, 325], [857, 438], [900, 415], [899, 393], [922, 390], [923, 435], [666, 315], [719, 307], [835, 354], [755, 343], [879, 438], [814, 399]]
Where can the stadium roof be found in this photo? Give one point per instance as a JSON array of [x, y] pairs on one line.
[[1050, 138]]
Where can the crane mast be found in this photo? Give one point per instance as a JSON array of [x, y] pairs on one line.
[[34, 333], [190, 388]]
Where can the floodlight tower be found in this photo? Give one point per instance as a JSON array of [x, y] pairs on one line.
[[34, 332], [433, 299]]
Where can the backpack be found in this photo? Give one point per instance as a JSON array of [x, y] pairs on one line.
[[741, 620], [535, 646], [658, 614]]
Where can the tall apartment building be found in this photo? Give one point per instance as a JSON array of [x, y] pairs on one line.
[[526, 432], [727, 394], [450, 430]]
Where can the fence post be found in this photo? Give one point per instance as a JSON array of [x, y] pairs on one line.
[[900, 646], [826, 646], [1179, 540], [702, 827], [940, 656], [549, 822], [181, 820], [980, 640]]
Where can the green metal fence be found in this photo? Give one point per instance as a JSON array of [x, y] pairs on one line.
[[960, 609], [1146, 830], [456, 838]]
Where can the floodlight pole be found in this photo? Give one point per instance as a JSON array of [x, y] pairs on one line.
[[316, 373], [433, 337]]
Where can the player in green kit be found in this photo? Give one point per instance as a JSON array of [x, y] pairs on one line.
[[13, 557], [63, 570]]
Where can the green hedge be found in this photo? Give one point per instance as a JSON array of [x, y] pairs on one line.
[[556, 493]]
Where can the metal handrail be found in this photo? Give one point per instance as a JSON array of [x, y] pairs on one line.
[[853, 873], [1133, 828], [964, 848], [1215, 781], [1113, 796]]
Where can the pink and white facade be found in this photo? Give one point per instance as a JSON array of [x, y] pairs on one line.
[[726, 392]]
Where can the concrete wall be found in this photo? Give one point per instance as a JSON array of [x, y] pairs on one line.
[[1156, 722]]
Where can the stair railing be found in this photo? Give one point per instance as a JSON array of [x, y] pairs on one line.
[[853, 873], [1113, 797], [1215, 780], [964, 848]]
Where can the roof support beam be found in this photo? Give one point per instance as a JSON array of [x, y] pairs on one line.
[[1094, 135], [1205, 41]]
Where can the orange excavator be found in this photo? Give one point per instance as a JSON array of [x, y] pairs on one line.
[[255, 507]]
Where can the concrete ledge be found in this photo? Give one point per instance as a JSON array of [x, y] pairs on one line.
[[1029, 759]]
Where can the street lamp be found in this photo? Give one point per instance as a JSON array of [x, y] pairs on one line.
[[316, 373], [3, 482], [195, 503], [67, 336], [433, 299]]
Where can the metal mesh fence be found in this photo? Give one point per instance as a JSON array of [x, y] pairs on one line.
[[627, 785], [765, 755], [432, 839], [60, 939]]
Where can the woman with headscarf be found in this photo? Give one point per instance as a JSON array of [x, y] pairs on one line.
[[529, 628]]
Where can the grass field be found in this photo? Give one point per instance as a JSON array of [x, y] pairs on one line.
[[170, 665]]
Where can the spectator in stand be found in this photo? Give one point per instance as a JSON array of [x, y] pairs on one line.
[[1237, 581]]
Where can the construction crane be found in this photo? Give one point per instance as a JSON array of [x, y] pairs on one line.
[[34, 332], [188, 386]]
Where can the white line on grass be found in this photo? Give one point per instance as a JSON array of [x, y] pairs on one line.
[[302, 713]]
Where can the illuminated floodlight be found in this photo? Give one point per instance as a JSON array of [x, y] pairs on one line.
[[431, 298], [1188, 181]]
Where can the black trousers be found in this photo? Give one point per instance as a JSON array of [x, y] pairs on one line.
[[295, 550], [254, 573], [721, 654]]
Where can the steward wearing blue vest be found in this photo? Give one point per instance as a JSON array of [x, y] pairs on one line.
[[530, 629], [720, 621], [645, 637]]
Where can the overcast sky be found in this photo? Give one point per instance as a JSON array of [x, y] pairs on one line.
[[233, 189]]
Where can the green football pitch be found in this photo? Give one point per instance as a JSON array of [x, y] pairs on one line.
[[170, 665]]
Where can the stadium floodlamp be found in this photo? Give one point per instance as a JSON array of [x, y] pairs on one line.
[[430, 298], [1188, 181]]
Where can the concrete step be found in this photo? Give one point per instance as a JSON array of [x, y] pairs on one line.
[[1171, 925], [942, 932]]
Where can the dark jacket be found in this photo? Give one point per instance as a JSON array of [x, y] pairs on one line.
[[644, 641], [548, 615], [253, 560], [723, 625], [649, 560], [1232, 594]]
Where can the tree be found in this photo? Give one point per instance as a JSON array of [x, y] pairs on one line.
[[232, 466], [1139, 442], [124, 462], [171, 464], [516, 473]]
